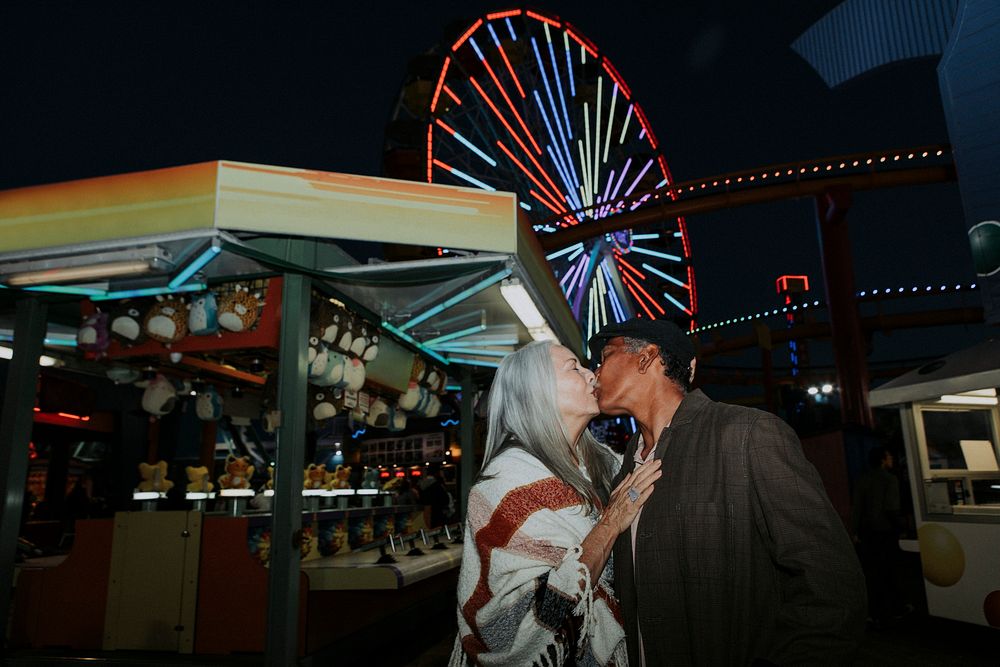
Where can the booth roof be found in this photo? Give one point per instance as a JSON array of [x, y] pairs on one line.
[[977, 367]]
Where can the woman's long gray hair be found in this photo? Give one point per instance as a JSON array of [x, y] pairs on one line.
[[523, 412]]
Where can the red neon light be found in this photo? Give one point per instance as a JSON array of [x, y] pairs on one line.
[[781, 284], [415, 473], [503, 15], [543, 19], [638, 300], [645, 126], [613, 73], [400, 473], [517, 82], [582, 41], [547, 204], [452, 95], [437, 90], [71, 416], [530, 175], [684, 236], [639, 287], [444, 126], [691, 291], [506, 98], [384, 474], [442, 165], [496, 111], [634, 270], [467, 35], [430, 153]]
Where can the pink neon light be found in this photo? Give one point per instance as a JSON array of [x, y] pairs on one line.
[[503, 15], [467, 35], [437, 90], [613, 73], [543, 19], [517, 82], [582, 41], [452, 95]]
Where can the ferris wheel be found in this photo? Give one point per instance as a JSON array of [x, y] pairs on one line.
[[522, 102]]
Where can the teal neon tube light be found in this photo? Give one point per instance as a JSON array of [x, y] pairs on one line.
[[461, 296], [475, 362], [149, 291], [474, 351], [413, 341], [484, 341], [454, 334], [65, 289], [196, 265]]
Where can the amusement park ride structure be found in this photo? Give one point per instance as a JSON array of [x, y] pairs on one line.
[[524, 102]]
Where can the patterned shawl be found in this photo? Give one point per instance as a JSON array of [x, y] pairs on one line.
[[524, 598]]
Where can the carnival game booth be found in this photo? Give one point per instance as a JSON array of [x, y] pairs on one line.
[[217, 291], [951, 428]]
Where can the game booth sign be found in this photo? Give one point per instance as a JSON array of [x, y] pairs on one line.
[[218, 330]]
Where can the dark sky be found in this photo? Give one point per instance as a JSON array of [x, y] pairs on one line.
[[94, 88]]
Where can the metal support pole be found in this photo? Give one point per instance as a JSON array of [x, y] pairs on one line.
[[286, 527], [466, 437], [15, 434], [845, 321]]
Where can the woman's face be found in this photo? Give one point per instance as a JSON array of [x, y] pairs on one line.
[[574, 386]]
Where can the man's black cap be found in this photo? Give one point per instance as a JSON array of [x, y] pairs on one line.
[[670, 337]]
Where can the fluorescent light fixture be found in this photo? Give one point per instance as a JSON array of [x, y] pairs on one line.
[[73, 273], [412, 341], [44, 360], [961, 399], [461, 296], [524, 307]]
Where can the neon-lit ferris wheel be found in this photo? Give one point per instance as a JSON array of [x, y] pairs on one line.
[[523, 102]]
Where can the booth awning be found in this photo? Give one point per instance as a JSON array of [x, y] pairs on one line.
[[977, 367], [182, 228]]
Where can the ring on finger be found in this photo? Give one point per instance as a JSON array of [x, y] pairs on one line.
[[633, 494]]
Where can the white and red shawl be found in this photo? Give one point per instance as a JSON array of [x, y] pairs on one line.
[[524, 597]]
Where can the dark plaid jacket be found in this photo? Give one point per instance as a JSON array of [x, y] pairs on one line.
[[739, 555]]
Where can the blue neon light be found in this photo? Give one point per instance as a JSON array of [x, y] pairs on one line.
[[449, 422], [655, 253], [469, 179], [149, 291], [663, 275], [510, 26], [359, 432], [564, 251], [453, 335], [496, 40], [413, 341], [475, 47], [526, 207], [474, 362], [642, 237], [475, 149], [661, 183], [195, 266], [621, 177], [575, 254], [569, 65], [65, 289], [675, 302], [562, 96], [639, 177], [461, 296], [616, 307]]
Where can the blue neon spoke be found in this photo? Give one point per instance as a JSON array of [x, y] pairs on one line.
[[475, 149], [564, 251], [655, 253], [474, 181], [510, 26], [665, 276]]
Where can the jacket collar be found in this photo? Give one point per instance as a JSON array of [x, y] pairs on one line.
[[692, 403]]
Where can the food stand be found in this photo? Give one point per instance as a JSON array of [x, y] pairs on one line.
[[951, 427]]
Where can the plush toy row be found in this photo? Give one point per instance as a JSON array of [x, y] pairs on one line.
[[168, 319]]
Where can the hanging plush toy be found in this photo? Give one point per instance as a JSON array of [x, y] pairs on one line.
[[378, 414], [160, 396], [322, 404], [208, 405], [126, 323], [122, 374], [397, 418], [238, 309], [325, 320], [203, 315], [92, 336], [166, 321], [345, 333], [371, 349], [319, 361]]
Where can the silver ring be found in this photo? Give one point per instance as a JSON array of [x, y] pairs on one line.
[[633, 494]]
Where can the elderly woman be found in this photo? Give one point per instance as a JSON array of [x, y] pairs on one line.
[[542, 519]]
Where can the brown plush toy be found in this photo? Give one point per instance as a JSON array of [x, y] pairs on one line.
[[238, 310], [238, 473], [154, 477], [314, 477], [166, 320]]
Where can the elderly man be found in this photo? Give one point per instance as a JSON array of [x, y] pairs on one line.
[[738, 558]]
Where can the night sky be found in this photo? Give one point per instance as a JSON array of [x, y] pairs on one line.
[[91, 89]]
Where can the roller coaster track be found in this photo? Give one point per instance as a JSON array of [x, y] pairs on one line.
[[858, 171]]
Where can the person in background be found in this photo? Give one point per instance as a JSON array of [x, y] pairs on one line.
[[876, 526], [405, 494], [542, 517], [738, 558]]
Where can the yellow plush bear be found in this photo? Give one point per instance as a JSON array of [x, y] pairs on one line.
[[198, 480], [270, 477], [238, 473], [314, 477], [340, 478], [154, 477]]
